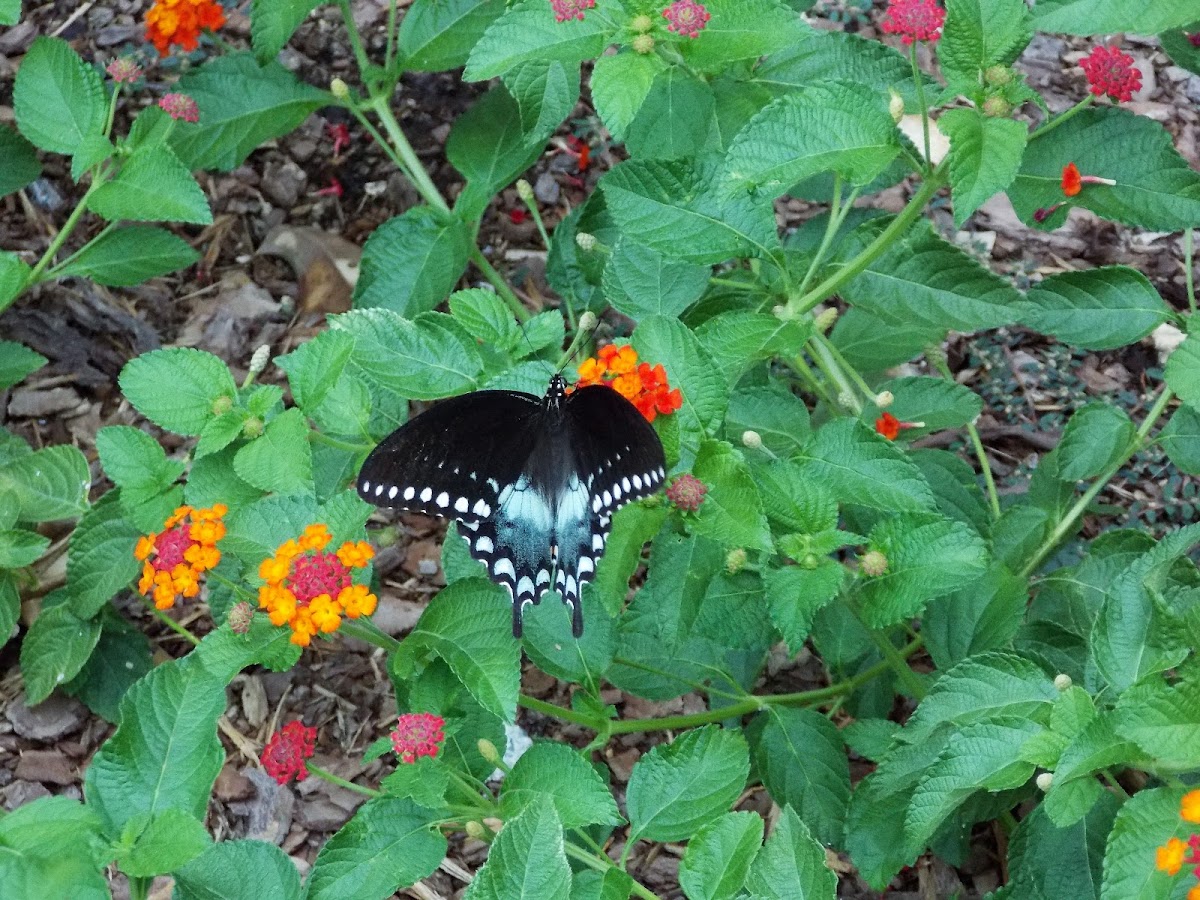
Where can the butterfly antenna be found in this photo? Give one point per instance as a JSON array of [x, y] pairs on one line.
[[589, 322]]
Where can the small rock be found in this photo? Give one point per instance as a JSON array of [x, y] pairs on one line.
[[319, 814], [18, 38], [546, 189], [283, 183], [232, 785], [1191, 87], [21, 792], [112, 35], [395, 615], [46, 766], [254, 701], [29, 403], [270, 811], [302, 149], [52, 718]]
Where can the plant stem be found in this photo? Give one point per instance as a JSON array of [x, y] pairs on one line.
[[412, 164], [63, 234], [1188, 262], [498, 282], [694, 685], [360, 53], [55, 269], [831, 228], [603, 865], [328, 441], [391, 36], [920, 85], [858, 265], [559, 712], [846, 397], [1075, 513], [366, 630], [1114, 784], [836, 356], [342, 782], [1065, 117], [938, 362], [172, 624]]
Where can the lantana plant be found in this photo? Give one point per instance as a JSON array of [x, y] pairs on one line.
[[1013, 666]]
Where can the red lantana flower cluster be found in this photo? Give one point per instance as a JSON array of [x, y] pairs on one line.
[[1111, 72], [643, 385], [914, 20], [285, 753], [686, 17], [174, 559], [416, 735], [565, 10], [687, 492], [180, 22], [180, 106]]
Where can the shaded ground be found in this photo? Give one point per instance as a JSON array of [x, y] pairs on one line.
[[239, 298]]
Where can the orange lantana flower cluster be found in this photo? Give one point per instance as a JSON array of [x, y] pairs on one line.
[[1171, 856], [309, 589], [174, 558], [643, 385], [180, 22]]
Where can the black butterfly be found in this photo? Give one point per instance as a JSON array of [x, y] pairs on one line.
[[533, 482]]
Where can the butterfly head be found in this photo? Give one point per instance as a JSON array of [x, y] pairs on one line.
[[556, 393]]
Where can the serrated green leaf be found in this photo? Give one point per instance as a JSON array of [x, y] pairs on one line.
[[486, 317], [982, 33], [58, 99], [620, 84], [21, 165], [791, 865], [1155, 187], [17, 362], [795, 594], [1039, 846], [719, 855], [838, 127], [774, 413], [100, 558], [739, 339], [279, 460], [1183, 370], [411, 262], [121, 657], [1143, 823], [238, 870], [1097, 309], [10, 606], [54, 650], [743, 30], [1067, 803], [545, 93], [1163, 720], [1097, 435], [1087, 17], [315, 366], [528, 31], [14, 275], [873, 343], [801, 760], [488, 145], [1179, 48], [976, 618], [632, 526], [93, 150], [130, 255], [731, 512], [1181, 439], [51, 483], [640, 282], [133, 459], [557, 772], [675, 788], [935, 402], [438, 34], [389, 844], [272, 23], [674, 119], [527, 861], [153, 185], [985, 155], [242, 105], [550, 645], [10, 12], [161, 843], [176, 388], [20, 548]]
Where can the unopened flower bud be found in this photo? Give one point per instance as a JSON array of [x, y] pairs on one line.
[[752, 440], [222, 405], [1044, 781], [240, 617], [686, 492], [641, 24], [525, 190], [476, 830], [874, 563], [895, 106], [996, 107], [998, 76], [252, 427], [1062, 682], [488, 751], [586, 242], [339, 89], [587, 321], [259, 360], [735, 560], [884, 399], [825, 320], [643, 44]]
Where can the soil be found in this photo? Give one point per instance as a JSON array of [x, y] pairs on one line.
[[240, 297]]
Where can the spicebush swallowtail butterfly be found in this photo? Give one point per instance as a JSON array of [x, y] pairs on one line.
[[533, 482]]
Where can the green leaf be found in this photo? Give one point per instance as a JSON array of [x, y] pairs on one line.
[[1181, 439], [280, 459], [13, 277], [557, 772], [1097, 309], [742, 30], [675, 788], [94, 149], [238, 870], [982, 687], [791, 866], [732, 511], [1155, 187], [20, 548], [58, 99], [1163, 720], [936, 402], [21, 165], [272, 23], [674, 119], [718, 857], [133, 459], [611, 884], [100, 558], [10, 606], [982, 756], [10, 12], [527, 31], [632, 526], [620, 84], [833, 127], [411, 262], [17, 362], [152, 185], [802, 763], [1088, 17], [739, 339], [130, 255], [774, 413], [388, 844], [242, 105], [1178, 47], [176, 388], [551, 647], [677, 210], [985, 154], [487, 318], [162, 843], [796, 594], [873, 343], [975, 618], [53, 847], [1096, 436], [861, 467], [49, 484], [1039, 846], [527, 860], [54, 650], [436, 35], [1183, 370], [927, 279], [121, 657], [1144, 822], [545, 93], [490, 148], [980, 34], [467, 626]]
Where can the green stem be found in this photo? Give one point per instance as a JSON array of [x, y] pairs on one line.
[[360, 53], [412, 164], [139, 888], [858, 265], [63, 234], [328, 441], [603, 865], [938, 362], [112, 109], [694, 685], [472, 793], [366, 630], [1075, 513], [896, 660], [1065, 117], [342, 782], [1108, 776], [836, 355], [736, 285], [560, 712], [920, 84], [1189, 278], [391, 36], [831, 227], [498, 282], [800, 367], [172, 624], [55, 269], [846, 397]]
